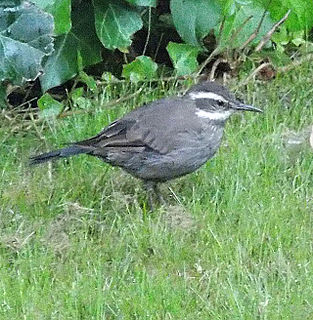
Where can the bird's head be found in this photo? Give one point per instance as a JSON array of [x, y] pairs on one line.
[[215, 102]]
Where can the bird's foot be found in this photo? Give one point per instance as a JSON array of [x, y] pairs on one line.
[[152, 193]]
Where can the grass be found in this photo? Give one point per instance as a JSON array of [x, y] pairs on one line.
[[235, 241]]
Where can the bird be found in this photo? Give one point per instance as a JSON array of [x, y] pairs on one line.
[[164, 139]]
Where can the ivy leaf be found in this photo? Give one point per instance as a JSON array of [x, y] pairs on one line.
[[62, 65], [77, 93], [49, 107], [242, 24], [10, 3], [194, 19], [143, 3], [88, 80], [228, 7], [184, 57], [281, 36], [81, 41], [25, 39], [85, 33], [300, 18], [141, 68], [60, 10], [115, 23], [109, 77]]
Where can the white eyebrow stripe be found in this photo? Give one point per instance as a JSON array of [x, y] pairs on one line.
[[206, 95], [213, 115]]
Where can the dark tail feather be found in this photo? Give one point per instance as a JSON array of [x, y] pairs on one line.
[[56, 154]]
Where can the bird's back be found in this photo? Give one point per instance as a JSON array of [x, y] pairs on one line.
[[162, 140]]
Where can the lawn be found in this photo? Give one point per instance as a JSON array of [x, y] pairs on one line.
[[234, 242]]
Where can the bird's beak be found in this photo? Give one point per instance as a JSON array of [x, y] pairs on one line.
[[245, 107]]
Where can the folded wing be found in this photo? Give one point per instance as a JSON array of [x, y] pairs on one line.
[[149, 126]]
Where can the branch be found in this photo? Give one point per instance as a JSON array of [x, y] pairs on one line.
[[221, 29], [297, 63], [214, 53], [108, 105], [268, 36], [148, 35], [236, 32], [214, 67], [257, 30], [254, 73]]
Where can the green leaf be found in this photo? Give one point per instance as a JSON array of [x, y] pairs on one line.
[[301, 15], [61, 12], [63, 64], [298, 41], [49, 107], [143, 3], [228, 7], [281, 36], [25, 39], [194, 19], [88, 80], [115, 22], [10, 3], [277, 58], [3, 96], [109, 77], [77, 93], [242, 24], [82, 103], [184, 57], [139, 69], [84, 32]]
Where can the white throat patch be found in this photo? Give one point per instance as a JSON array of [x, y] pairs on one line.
[[206, 95], [217, 115]]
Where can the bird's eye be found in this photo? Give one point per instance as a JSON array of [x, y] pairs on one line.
[[220, 103]]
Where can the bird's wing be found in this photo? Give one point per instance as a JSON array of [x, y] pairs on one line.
[[157, 125], [113, 135]]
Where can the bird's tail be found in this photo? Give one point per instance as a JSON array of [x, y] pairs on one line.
[[60, 153]]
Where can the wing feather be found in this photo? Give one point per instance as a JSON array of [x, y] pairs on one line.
[[148, 126]]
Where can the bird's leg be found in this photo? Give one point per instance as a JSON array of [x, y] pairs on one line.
[[150, 189], [152, 192], [159, 195]]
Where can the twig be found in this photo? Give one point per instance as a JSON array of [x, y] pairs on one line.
[[297, 63], [256, 32], [23, 111], [165, 79], [214, 67], [7, 116], [26, 102], [254, 73], [214, 53], [268, 36], [235, 34], [158, 46], [221, 29], [108, 105], [28, 91], [36, 128], [26, 239], [148, 35]]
